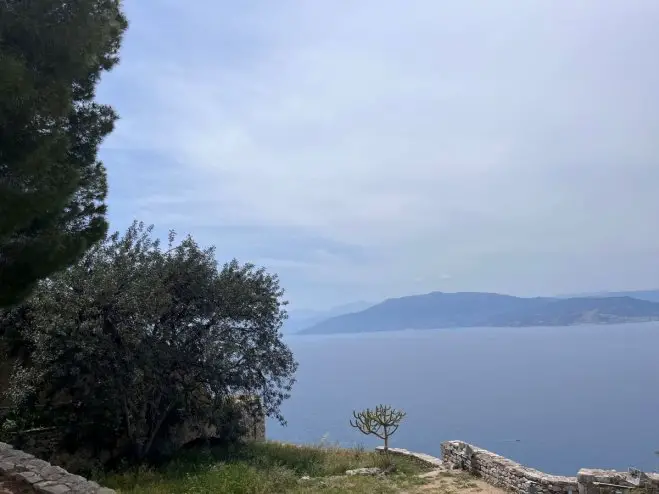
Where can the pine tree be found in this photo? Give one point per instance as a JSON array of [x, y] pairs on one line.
[[52, 186]]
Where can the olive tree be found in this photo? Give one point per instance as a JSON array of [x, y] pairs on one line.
[[135, 337]]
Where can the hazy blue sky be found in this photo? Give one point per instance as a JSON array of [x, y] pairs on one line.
[[367, 149]]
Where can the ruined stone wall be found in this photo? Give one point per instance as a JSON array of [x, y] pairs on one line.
[[502, 472], [507, 474], [255, 428], [592, 481], [47, 442], [41, 442], [22, 472], [249, 426]]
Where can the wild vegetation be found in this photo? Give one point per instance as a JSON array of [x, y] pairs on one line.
[[280, 468], [134, 338]]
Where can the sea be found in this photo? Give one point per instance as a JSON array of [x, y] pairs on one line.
[[553, 398]]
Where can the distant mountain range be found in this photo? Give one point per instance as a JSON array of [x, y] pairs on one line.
[[650, 295], [301, 319], [473, 309]]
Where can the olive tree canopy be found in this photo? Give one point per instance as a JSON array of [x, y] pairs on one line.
[[133, 337]]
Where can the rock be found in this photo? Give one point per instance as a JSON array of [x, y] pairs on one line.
[[29, 472], [364, 471], [52, 472], [31, 477], [423, 458], [36, 465], [305, 477], [51, 487], [432, 473]]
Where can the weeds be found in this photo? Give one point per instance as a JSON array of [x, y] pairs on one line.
[[262, 468]]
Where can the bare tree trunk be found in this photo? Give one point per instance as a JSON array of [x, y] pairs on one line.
[[386, 439], [154, 432]]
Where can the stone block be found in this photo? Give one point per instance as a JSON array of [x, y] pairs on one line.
[[76, 479], [36, 465], [364, 471], [51, 487], [43, 477], [53, 473], [28, 476]]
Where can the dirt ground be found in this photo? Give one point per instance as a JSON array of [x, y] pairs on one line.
[[453, 483]]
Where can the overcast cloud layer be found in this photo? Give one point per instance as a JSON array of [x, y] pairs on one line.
[[367, 149]]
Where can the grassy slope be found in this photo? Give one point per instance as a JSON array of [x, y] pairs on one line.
[[267, 468]]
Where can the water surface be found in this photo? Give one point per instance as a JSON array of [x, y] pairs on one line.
[[556, 399]]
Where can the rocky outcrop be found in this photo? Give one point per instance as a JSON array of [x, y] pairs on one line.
[[23, 473]]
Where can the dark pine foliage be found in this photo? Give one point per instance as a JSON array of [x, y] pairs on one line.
[[52, 186]]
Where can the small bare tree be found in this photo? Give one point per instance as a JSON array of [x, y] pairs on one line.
[[381, 422]]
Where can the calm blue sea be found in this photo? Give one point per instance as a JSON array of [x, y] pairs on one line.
[[556, 399]]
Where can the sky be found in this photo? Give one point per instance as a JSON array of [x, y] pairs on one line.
[[372, 149]]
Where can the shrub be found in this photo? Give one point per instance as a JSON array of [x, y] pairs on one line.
[[134, 338], [381, 422]]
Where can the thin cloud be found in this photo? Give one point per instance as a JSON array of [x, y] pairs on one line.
[[509, 144]]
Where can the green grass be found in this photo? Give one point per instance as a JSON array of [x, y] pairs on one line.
[[267, 468]]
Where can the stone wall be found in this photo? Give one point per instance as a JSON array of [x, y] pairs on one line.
[[24, 473], [424, 459], [502, 472], [511, 476], [593, 481], [248, 426], [41, 442]]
